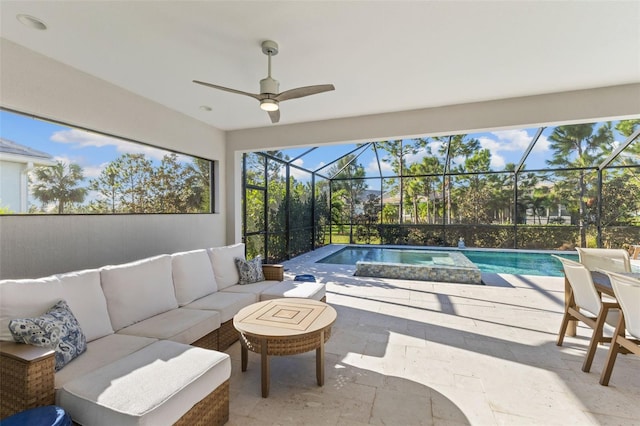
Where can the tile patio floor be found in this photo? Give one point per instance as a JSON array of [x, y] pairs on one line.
[[423, 353]]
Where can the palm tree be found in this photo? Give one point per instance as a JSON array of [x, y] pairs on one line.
[[59, 184]]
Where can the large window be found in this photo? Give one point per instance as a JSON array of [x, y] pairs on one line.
[[52, 168], [539, 188]]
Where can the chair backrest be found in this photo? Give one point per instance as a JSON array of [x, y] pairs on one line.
[[614, 260], [581, 283], [627, 291]]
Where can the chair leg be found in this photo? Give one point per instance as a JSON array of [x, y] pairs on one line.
[[563, 327], [569, 303], [596, 338], [613, 352]]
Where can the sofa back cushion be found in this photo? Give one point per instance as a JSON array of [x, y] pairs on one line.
[[224, 266], [26, 298], [85, 298], [192, 276], [138, 290]]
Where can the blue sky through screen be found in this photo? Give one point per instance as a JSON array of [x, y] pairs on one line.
[[93, 151]]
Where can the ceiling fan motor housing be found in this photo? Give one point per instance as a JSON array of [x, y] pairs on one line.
[[270, 86]]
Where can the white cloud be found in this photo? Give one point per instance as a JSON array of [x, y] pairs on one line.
[[497, 162], [298, 174], [81, 139], [93, 171], [512, 140], [372, 168], [519, 140], [417, 157], [491, 144]]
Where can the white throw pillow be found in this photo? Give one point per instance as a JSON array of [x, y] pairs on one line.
[[26, 298], [138, 290], [192, 276], [85, 298], [224, 266]]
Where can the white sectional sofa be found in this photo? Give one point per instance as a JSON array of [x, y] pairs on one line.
[[153, 331]]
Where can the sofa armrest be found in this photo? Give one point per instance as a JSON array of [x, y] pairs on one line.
[[273, 272], [26, 377]]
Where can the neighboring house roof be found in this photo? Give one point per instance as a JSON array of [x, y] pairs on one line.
[[13, 151]]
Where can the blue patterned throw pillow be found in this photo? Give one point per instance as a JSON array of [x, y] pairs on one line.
[[250, 271], [57, 329]]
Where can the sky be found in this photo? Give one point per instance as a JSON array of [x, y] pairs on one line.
[[505, 146], [93, 151]]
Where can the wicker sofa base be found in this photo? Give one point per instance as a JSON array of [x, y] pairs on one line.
[[211, 410], [227, 335], [209, 341]]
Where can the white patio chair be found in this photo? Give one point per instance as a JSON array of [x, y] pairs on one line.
[[585, 304], [627, 291], [614, 260]]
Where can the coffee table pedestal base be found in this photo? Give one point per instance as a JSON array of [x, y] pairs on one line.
[[264, 362]]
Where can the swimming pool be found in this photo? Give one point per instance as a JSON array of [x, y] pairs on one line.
[[488, 260]]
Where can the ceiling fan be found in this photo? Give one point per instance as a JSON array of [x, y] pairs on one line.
[[269, 97]]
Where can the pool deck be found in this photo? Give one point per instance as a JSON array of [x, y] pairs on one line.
[[428, 353]]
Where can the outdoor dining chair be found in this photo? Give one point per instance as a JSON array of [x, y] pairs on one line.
[[614, 260], [585, 304], [627, 334]]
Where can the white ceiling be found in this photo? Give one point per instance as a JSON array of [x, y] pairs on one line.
[[382, 56]]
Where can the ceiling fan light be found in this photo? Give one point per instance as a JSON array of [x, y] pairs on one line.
[[269, 105]]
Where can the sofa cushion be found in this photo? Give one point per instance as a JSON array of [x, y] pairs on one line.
[[180, 325], [56, 329], [153, 386], [26, 298], [249, 271], [223, 264], [138, 290], [299, 289], [254, 289], [99, 353], [192, 276], [84, 295], [226, 303]]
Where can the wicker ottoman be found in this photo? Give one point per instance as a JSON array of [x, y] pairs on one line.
[[162, 384], [299, 289]]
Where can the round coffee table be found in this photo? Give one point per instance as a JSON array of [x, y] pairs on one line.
[[286, 326]]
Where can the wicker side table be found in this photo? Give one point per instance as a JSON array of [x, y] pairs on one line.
[[284, 327], [26, 377]]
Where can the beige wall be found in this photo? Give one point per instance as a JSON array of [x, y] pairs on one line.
[[614, 102], [36, 246], [30, 246]]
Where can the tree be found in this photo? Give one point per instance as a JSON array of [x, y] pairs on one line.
[[579, 147], [347, 187], [59, 184], [452, 147], [107, 185], [368, 220], [398, 151]]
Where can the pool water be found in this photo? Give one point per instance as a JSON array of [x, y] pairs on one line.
[[500, 262], [350, 255]]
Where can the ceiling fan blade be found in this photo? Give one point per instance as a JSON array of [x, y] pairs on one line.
[[226, 89], [274, 115], [304, 91]]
